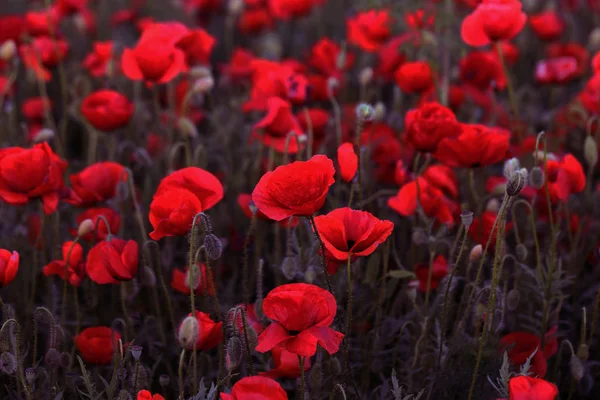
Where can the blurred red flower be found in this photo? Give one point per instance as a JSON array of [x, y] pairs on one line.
[[327, 58], [42, 23], [43, 53], [483, 70], [102, 231], [573, 50], [202, 184], [172, 212], [255, 20], [391, 55], [347, 161], [273, 130], [317, 121], [146, 395], [210, 333], [112, 261], [558, 70], [11, 28], [431, 199], [244, 200], [442, 177], [98, 182], [429, 124], [527, 388], [290, 9], [369, 29], [286, 364], [34, 108], [301, 315], [299, 188], [564, 177], [439, 271], [197, 45], [107, 110], [256, 387], [180, 281], [97, 344], [240, 65], [547, 25], [481, 229], [492, 21], [420, 19], [520, 346], [71, 268], [68, 7], [346, 232], [414, 77], [9, 266], [100, 61]]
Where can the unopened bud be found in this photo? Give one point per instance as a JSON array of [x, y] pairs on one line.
[[537, 178], [136, 351], [164, 380], [8, 363], [364, 112], [147, 277], [52, 358], [188, 332], [521, 252], [476, 253], [187, 127], [43, 135], [310, 274], [379, 111], [512, 299], [515, 184], [122, 191], [233, 353], [235, 7], [419, 237], [199, 72], [252, 336], [86, 226], [510, 167], [365, 76], [340, 61], [333, 366], [583, 352], [315, 378], [8, 50], [594, 40], [466, 218], [493, 206], [213, 246], [577, 368], [192, 278], [289, 267], [590, 151], [252, 207], [411, 290], [204, 85]]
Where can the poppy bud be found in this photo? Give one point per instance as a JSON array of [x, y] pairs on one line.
[[65, 360], [235, 7], [43, 135], [188, 332], [86, 226], [252, 336], [252, 207], [310, 274], [419, 237], [577, 368], [512, 299], [187, 127], [199, 72], [122, 191], [476, 253], [192, 278], [136, 351], [164, 380], [332, 84], [379, 111], [515, 184], [493, 206], [411, 290], [340, 61], [52, 358], [315, 378], [521, 252], [233, 353], [510, 167], [204, 85], [289, 267], [537, 178], [8, 50], [594, 39], [333, 366], [8, 363], [583, 352], [122, 374], [467, 218], [365, 76], [30, 375], [590, 151], [213, 246], [364, 112], [147, 277]]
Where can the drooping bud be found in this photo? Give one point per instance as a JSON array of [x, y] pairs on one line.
[[65, 360], [365, 76], [379, 111], [8, 363], [512, 299], [289, 267], [364, 112], [136, 351], [235, 7], [590, 151], [577, 368], [594, 40], [411, 290], [188, 332], [8, 50], [147, 277], [340, 61], [419, 237], [164, 380], [310, 274], [515, 183], [252, 207], [333, 366], [30, 375], [199, 72], [122, 192], [192, 278], [510, 167], [476, 253], [204, 85], [536, 177], [213, 246], [187, 127], [466, 218], [233, 353], [521, 252]]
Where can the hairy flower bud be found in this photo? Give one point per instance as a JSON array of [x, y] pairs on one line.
[[235, 7], [289, 267], [52, 358], [187, 127], [199, 72], [590, 151], [365, 76], [233, 353], [310, 274], [467, 218], [515, 183], [333, 366], [43, 135], [577, 368], [379, 111], [521, 252], [204, 85], [188, 332], [476, 253], [536, 177], [8, 363], [583, 352], [419, 237], [164, 380], [147, 277], [315, 377], [510, 167], [86, 226], [493, 205], [512, 299], [213, 246]]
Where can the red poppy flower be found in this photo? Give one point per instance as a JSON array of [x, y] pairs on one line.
[[299, 188], [301, 315], [401, 174], [210, 333], [11, 28], [420, 19], [202, 184], [31, 173], [439, 271], [274, 128], [477, 145], [111, 261], [319, 121], [482, 69], [556, 70], [370, 29], [346, 232], [574, 50], [520, 346], [146, 395], [547, 25], [244, 200], [286, 364], [71, 268], [107, 110], [527, 388], [431, 199], [197, 45], [386, 150], [442, 177], [481, 228], [564, 177], [255, 20], [391, 56], [34, 108], [34, 231], [414, 77], [347, 161], [95, 214], [256, 388], [180, 281], [510, 52], [100, 61], [291, 9], [325, 56], [43, 53], [41, 23], [69, 7], [251, 319], [97, 344], [271, 79], [98, 182], [239, 67], [493, 20], [9, 266], [172, 212], [429, 124]]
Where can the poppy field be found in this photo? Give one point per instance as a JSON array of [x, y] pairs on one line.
[[299, 199]]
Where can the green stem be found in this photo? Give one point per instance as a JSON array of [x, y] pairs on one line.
[[302, 380], [323, 261]]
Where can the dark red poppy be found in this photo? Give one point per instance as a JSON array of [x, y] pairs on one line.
[[240, 65], [100, 61], [35, 108], [301, 315], [244, 200], [317, 121], [527, 388], [386, 150], [98, 182], [547, 25], [299, 188], [255, 20], [573, 50], [439, 271], [42, 23], [102, 231], [391, 56], [107, 110], [564, 177], [320, 88], [327, 58], [69, 7], [155, 144], [483, 70], [369, 29], [210, 333], [557, 70], [493, 20], [274, 128], [147, 395], [112, 261], [346, 232], [420, 19], [180, 281], [71, 268], [286, 364], [31, 173], [429, 124], [477, 145], [442, 177], [510, 52], [520, 346], [414, 77], [291, 9], [401, 174], [431, 199], [201, 183], [11, 28], [256, 388], [172, 212], [347, 161], [9, 266], [43, 53], [97, 344], [481, 228]]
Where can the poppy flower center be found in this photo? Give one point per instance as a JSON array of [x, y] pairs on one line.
[[294, 333], [350, 244]]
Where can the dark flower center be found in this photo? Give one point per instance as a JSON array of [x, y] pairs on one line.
[[350, 243], [294, 333]]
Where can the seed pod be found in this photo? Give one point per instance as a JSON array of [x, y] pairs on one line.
[[86, 226], [467, 218], [521, 252], [52, 358], [590, 151], [30, 375], [188, 332], [233, 353], [136, 351], [289, 267], [164, 380], [252, 207], [536, 178], [577, 368], [512, 299], [476, 253], [204, 85], [333, 366], [364, 112], [315, 378], [213, 246], [8, 363]]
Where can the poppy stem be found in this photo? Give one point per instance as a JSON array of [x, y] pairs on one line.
[[594, 317], [323, 261], [245, 279], [429, 275], [66, 281], [302, 380], [511, 93], [533, 232], [309, 129], [248, 350]]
